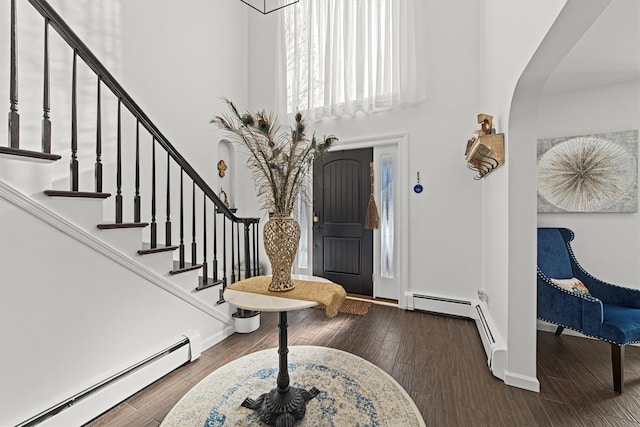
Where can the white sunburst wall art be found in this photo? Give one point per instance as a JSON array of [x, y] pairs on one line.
[[588, 173]]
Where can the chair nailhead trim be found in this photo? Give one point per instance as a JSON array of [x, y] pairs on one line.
[[589, 297], [588, 335]]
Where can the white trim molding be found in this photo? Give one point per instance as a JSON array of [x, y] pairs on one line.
[[522, 381], [401, 142]]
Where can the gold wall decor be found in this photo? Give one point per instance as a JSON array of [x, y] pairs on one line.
[[485, 150], [222, 167]]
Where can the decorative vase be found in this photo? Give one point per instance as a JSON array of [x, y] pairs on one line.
[[281, 237]]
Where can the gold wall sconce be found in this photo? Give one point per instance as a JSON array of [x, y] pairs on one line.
[[485, 150]]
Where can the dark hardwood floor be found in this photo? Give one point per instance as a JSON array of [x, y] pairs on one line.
[[439, 361]]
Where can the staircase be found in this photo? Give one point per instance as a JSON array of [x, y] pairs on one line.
[[149, 224]]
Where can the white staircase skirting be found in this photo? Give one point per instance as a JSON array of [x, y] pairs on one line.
[[45, 214]]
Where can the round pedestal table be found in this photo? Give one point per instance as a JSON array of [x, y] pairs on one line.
[[283, 405]]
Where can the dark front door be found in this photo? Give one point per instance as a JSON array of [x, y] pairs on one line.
[[342, 247]]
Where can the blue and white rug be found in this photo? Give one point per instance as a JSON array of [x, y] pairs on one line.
[[353, 392]]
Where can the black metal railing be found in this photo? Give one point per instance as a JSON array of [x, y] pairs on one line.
[[205, 239]]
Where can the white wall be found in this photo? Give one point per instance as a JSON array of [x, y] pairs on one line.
[[606, 244], [176, 62], [179, 60], [511, 33], [71, 317], [98, 24], [444, 220], [522, 27]]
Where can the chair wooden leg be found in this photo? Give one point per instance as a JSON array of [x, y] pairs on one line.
[[617, 361], [559, 330]]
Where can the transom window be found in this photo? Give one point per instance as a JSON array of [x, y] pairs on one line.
[[345, 56]]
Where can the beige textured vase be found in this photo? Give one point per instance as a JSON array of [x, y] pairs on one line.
[[281, 237]]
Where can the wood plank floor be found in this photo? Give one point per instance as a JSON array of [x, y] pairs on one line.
[[439, 361]]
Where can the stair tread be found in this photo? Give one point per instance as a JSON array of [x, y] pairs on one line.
[[79, 194], [187, 267], [28, 153], [147, 249], [114, 225], [210, 282]]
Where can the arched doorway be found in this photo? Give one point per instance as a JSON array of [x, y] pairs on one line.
[[573, 21]]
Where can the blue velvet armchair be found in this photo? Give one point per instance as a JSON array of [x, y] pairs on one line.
[[607, 312]]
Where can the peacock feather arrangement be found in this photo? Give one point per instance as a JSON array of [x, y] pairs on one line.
[[279, 161]]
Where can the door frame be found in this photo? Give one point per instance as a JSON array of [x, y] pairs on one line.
[[400, 143]]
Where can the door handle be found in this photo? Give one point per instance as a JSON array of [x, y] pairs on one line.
[[316, 218]]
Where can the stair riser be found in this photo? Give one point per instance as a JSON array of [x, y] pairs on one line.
[[85, 213], [27, 175], [187, 280], [156, 262], [126, 240]]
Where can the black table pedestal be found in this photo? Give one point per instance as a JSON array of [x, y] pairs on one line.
[[283, 405]]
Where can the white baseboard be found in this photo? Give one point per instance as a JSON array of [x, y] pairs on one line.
[[438, 304], [522, 381], [94, 404], [93, 401], [215, 339]]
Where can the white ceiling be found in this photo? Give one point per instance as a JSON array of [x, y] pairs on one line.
[[608, 53]]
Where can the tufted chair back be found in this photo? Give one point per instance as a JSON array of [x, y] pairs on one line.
[[553, 254]]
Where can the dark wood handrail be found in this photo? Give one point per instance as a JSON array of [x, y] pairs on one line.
[[68, 35]]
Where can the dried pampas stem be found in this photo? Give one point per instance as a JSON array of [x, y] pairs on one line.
[[372, 220]]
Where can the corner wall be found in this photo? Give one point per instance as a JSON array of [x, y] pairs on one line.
[[535, 37], [511, 31]]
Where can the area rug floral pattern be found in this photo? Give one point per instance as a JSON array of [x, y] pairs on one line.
[[353, 392]]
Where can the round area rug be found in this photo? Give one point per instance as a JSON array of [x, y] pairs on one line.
[[353, 392]]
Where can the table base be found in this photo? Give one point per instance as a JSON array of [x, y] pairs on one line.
[[282, 409]]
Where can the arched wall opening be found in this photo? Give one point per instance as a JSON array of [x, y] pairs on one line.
[[573, 21], [227, 173]]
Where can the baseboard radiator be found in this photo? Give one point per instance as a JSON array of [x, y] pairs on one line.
[[93, 401], [493, 343], [494, 346]]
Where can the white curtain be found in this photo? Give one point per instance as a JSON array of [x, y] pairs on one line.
[[344, 56]]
